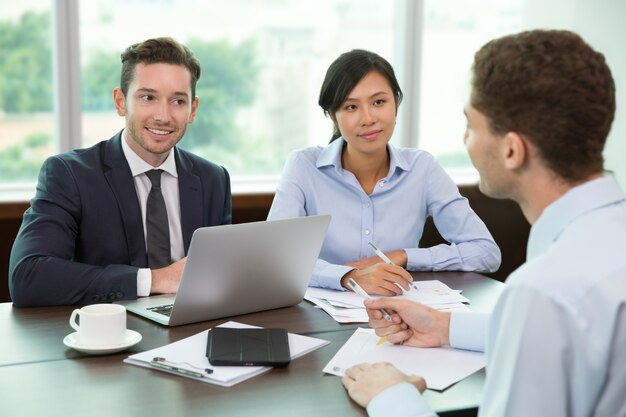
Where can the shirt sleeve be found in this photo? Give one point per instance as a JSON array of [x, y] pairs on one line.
[[327, 275], [289, 201], [468, 330], [401, 400], [471, 248], [144, 282]]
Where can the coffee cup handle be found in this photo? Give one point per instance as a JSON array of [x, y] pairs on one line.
[[73, 323]]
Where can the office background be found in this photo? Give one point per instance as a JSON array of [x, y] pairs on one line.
[[263, 62]]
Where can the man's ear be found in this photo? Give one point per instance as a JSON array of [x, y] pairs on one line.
[[120, 101], [194, 109], [515, 151]]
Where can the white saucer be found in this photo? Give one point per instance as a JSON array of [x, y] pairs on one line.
[[131, 338]]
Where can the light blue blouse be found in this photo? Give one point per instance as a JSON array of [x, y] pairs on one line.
[[392, 217]]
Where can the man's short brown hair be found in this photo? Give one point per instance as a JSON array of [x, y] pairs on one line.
[[158, 50], [552, 88]]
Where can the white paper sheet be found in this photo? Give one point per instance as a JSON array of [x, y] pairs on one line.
[[190, 354], [347, 306], [339, 314], [440, 367], [425, 292]]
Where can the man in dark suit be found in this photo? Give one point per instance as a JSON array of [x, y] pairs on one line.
[[93, 231]]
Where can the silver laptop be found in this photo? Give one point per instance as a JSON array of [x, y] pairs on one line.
[[238, 269]]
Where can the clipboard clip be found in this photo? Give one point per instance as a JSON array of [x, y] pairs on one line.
[[162, 363]]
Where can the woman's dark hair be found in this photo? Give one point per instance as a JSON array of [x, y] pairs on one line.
[[345, 73]]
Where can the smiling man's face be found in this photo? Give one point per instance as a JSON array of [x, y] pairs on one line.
[[157, 108]]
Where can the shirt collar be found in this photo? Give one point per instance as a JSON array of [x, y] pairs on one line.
[[331, 156], [139, 166], [576, 202]]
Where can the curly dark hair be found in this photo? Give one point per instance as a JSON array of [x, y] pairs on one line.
[[554, 89], [158, 50]]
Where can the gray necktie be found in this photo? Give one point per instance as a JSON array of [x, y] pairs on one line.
[[157, 226]]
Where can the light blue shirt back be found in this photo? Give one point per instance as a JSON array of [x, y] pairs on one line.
[[556, 338]]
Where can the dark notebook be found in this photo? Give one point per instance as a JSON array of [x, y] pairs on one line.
[[248, 347]]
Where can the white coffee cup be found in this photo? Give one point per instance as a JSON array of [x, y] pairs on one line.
[[100, 325]]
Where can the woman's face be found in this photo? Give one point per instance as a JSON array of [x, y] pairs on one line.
[[368, 116]]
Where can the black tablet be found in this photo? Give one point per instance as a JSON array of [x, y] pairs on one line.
[[248, 347]]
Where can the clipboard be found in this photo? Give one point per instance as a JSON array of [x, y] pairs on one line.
[[187, 358]]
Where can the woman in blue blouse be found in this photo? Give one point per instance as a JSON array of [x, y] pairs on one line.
[[376, 192]]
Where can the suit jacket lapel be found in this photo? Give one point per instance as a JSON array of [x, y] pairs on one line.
[[120, 179], [191, 204]]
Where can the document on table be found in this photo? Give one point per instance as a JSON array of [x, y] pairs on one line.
[[189, 356], [341, 313], [347, 306], [440, 367]]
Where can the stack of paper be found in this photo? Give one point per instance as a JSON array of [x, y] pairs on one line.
[[347, 307], [440, 367], [188, 357]]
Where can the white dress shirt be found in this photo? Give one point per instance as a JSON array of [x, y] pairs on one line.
[[169, 188], [392, 216], [556, 338]]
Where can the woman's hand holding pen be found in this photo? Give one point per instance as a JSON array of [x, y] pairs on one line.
[[411, 324], [398, 257], [380, 278]]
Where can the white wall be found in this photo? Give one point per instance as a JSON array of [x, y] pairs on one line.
[[602, 24]]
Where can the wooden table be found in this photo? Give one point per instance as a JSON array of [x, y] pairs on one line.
[[41, 376]]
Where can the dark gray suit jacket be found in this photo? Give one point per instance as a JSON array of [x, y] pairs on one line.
[[82, 239]]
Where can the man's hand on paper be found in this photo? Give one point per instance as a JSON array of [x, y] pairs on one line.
[[380, 279], [412, 324], [365, 381]]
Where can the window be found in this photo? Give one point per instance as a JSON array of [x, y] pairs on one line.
[[262, 62], [26, 91], [452, 31]]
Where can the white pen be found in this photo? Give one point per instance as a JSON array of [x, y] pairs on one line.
[[357, 289], [384, 257], [380, 254]]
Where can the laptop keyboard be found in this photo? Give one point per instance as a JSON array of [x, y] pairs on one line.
[[166, 310]]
